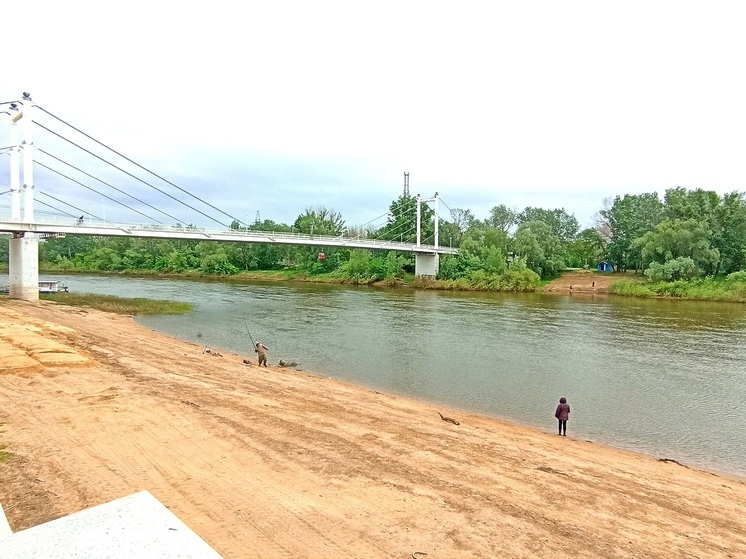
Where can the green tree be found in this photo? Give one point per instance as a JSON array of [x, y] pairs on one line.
[[463, 219], [4, 248], [542, 250], [402, 221], [561, 224], [55, 250], [320, 221], [502, 218], [725, 218], [676, 238], [730, 240], [450, 234], [681, 268], [587, 250], [627, 219]]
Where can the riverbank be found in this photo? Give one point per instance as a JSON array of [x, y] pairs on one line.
[[573, 282], [274, 462]]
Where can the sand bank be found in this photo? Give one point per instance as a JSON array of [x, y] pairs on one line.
[[279, 463]]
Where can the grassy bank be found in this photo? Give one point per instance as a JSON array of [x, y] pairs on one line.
[[119, 305], [729, 288]]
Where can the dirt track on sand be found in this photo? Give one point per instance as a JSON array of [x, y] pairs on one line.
[[278, 463]]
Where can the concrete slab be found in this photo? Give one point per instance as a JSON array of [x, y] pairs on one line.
[[5, 530], [134, 526]]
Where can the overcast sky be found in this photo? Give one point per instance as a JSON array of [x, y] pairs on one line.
[[274, 107]]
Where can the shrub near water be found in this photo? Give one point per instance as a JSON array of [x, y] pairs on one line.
[[730, 288]]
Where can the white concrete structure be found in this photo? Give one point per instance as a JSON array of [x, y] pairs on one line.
[[134, 526], [23, 261], [5, 530], [427, 264]]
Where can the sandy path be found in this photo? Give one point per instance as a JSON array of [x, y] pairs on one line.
[[278, 463], [582, 282]]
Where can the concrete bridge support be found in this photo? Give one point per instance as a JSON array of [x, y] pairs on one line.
[[426, 264], [23, 266], [23, 258]]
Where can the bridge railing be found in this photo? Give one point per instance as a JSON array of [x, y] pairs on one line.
[[271, 236]]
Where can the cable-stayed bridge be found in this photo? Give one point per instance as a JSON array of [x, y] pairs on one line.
[[68, 183]]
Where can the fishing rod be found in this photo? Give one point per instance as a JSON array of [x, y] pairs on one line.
[[246, 322]]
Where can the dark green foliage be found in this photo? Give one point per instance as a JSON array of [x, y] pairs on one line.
[[629, 218], [542, 250], [561, 224], [402, 224], [365, 267], [587, 250], [689, 236], [4, 246], [681, 268]]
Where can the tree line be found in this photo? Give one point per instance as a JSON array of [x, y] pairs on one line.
[[683, 235]]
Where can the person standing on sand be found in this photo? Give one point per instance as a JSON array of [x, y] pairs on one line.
[[562, 413], [261, 351]]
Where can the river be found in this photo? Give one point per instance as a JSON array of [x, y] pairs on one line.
[[665, 378]]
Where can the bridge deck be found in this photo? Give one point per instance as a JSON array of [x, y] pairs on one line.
[[233, 235]]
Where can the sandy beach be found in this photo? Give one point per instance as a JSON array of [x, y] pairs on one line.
[[280, 463]]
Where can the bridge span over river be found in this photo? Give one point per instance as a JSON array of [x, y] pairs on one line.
[[27, 230], [23, 265]]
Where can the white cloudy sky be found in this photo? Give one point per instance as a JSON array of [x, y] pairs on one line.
[[283, 105]]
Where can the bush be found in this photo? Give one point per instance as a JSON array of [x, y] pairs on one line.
[[739, 276], [681, 268]]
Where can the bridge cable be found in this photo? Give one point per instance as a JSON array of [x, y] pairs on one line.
[[68, 204], [54, 208], [147, 170], [41, 212], [398, 228], [111, 186], [97, 192], [446, 205], [367, 223], [131, 175]]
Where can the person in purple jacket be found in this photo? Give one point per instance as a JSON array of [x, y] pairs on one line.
[[562, 413]]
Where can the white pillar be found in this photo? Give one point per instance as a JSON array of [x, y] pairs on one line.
[[15, 169], [23, 267], [418, 220], [23, 257], [28, 164], [426, 265], [436, 220]]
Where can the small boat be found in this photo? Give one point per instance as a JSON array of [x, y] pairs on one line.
[[53, 286], [44, 287]]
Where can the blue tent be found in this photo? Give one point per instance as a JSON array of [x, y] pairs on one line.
[[605, 267]]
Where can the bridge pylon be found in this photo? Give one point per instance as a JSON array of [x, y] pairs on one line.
[[23, 261], [427, 264]]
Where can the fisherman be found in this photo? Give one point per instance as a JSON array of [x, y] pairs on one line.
[[261, 351]]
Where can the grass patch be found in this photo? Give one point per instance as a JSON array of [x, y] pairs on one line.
[[119, 305], [5, 456], [704, 289]]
